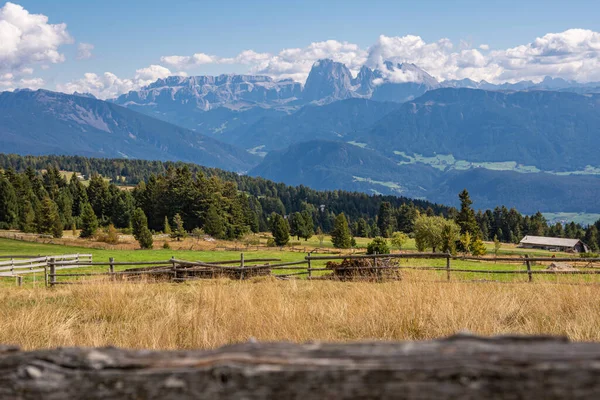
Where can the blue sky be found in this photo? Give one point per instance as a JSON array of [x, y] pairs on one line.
[[133, 35]]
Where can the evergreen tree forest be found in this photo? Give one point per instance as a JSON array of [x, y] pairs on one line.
[[36, 197]]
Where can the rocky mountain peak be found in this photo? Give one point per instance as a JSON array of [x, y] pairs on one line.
[[328, 81]]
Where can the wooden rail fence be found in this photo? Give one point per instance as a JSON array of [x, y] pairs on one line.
[[177, 270]]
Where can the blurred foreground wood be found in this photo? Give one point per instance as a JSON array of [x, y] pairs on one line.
[[460, 367]]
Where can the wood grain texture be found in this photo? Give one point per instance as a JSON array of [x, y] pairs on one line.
[[460, 367]]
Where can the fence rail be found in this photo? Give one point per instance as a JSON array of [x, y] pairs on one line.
[[17, 266], [178, 270]]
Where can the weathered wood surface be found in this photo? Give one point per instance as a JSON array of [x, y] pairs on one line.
[[460, 367]]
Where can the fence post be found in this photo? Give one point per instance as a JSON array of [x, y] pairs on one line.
[[19, 280], [12, 266], [46, 273], [111, 268], [309, 268], [52, 272], [173, 267], [528, 267], [242, 266], [448, 256]]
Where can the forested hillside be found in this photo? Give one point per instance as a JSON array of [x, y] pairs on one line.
[[36, 197]]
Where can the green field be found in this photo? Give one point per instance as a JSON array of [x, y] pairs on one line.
[[579, 218], [16, 247]]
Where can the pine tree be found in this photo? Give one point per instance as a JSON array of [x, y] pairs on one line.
[[592, 238], [478, 248], [308, 225], [49, 221], [465, 241], [179, 231], [280, 230], [167, 228], [362, 229], [138, 222], [9, 207], [213, 223], [145, 238], [340, 235], [385, 220], [497, 245], [466, 217], [27, 219], [89, 222], [296, 224]]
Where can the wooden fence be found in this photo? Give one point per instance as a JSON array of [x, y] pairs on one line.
[[526, 260], [17, 266], [173, 269], [310, 267]]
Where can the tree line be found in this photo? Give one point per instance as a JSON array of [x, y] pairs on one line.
[[36, 197]]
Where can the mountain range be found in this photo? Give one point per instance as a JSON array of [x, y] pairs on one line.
[[42, 122], [394, 129]]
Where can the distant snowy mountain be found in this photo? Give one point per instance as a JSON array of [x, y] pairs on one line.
[[208, 92]]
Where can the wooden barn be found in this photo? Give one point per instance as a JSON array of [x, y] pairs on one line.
[[553, 244]]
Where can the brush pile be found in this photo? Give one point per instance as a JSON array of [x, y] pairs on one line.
[[195, 272], [364, 269]]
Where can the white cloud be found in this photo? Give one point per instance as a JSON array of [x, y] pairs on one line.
[[28, 39], [33, 83], [84, 51], [572, 54], [295, 63], [109, 85], [184, 62], [102, 86]]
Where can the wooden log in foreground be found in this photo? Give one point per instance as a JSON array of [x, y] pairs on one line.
[[460, 367]]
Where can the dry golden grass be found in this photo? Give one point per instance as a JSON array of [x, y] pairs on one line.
[[209, 314]]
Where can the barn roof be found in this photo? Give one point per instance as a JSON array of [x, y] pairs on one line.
[[549, 241]]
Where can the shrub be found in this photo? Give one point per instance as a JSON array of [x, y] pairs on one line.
[[378, 245], [271, 242], [399, 239], [478, 248], [145, 238], [589, 255], [110, 235], [166, 245], [251, 240], [197, 233], [178, 231]]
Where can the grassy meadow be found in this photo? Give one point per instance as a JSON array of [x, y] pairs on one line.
[[210, 313]]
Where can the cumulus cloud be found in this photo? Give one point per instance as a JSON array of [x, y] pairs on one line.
[[185, 62], [84, 51], [29, 39], [33, 83], [109, 85], [292, 63], [573, 54]]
